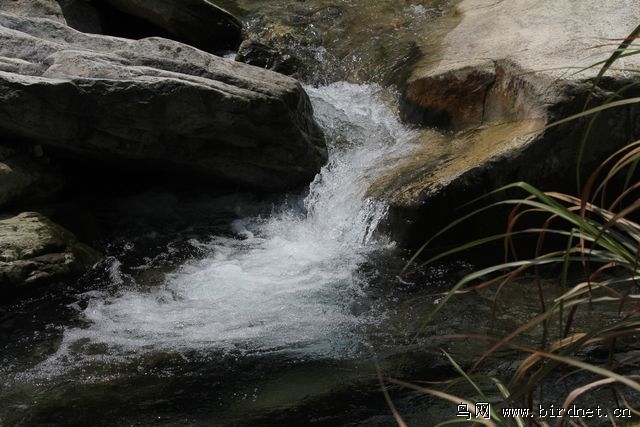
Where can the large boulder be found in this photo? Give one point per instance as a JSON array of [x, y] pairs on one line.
[[154, 104], [197, 22], [34, 250], [505, 72]]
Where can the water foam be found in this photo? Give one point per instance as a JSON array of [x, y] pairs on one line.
[[284, 283]]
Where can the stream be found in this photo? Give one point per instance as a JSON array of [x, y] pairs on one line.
[[243, 309], [238, 309]]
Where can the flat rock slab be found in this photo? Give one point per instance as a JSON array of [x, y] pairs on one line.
[[554, 37], [512, 59], [35, 250], [508, 69], [154, 104]]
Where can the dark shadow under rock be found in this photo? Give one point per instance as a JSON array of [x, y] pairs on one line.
[[199, 23]]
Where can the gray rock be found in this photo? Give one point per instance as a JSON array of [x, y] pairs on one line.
[[502, 74], [33, 8], [198, 22], [26, 178], [34, 250], [155, 103]]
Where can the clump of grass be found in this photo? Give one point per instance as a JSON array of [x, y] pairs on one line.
[[598, 266]]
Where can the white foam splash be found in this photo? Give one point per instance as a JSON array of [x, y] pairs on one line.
[[288, 281]]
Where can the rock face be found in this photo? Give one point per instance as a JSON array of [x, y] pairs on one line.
[[34, 250], [154, 104], [502, 74], [197, 22]]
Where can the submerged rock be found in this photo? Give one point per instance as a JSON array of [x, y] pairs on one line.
[[260, 55], [505, 72], [35, 250], [359, 41], [154, 105], [197, 22]]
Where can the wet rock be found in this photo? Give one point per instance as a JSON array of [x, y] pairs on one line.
[[34, 250], [270, 40], [197, 22], [260, 55], [155, 105], [25, 178], [505, 72]]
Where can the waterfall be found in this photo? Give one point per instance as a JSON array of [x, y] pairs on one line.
[[282, 282]]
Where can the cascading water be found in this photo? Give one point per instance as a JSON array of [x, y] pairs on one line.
[[216, 309], [286, 282]]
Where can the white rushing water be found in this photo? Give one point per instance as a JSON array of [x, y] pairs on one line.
[[286, 282]]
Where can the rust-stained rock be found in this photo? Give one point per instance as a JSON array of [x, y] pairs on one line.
[[500, 77]]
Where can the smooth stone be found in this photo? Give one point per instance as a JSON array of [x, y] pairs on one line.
[[34, 250]]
